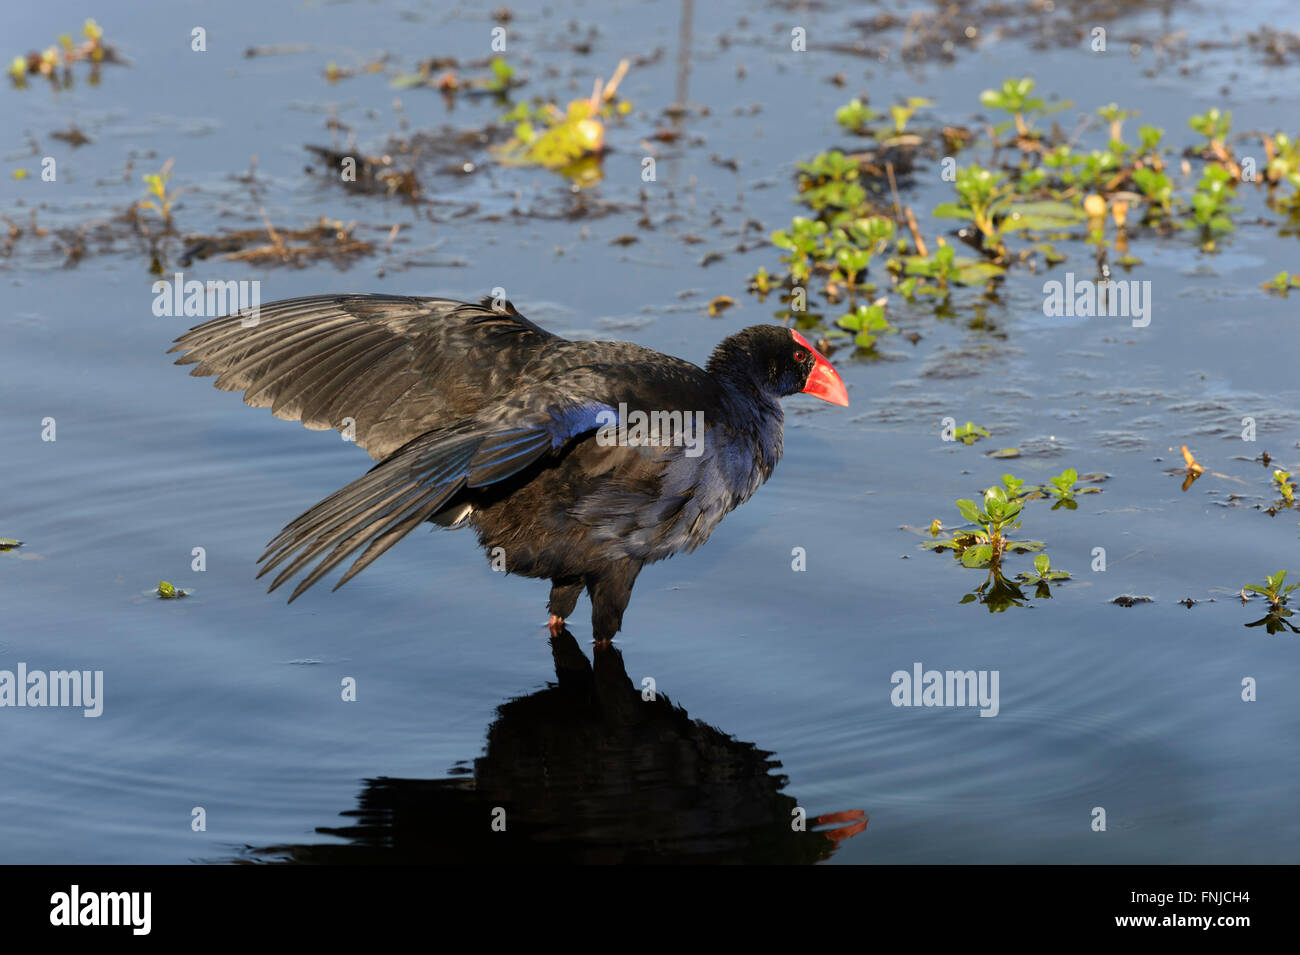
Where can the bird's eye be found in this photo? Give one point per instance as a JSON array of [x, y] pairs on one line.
[[801, 356]]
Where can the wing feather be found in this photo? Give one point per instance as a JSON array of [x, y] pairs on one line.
[[398, 366]]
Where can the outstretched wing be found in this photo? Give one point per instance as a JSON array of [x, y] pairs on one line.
[[397, 495], [397, 367]]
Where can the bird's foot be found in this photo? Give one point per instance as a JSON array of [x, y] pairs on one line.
[[556, 625]]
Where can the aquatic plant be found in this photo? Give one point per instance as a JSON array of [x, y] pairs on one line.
[[1156, 188], [1014, 97], [569, 141], [1277, 592], [982, 196], [1282, 283], [855, 115], [62, 56], [1285, 485], [945, 268], [986, 545], [163, 198], [867, 322], [901, 113], [969, 433], [1274, 589], [1214, 125], [1042, 576], [1211, 202]]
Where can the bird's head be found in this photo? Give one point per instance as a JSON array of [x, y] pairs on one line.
[[780, 362]]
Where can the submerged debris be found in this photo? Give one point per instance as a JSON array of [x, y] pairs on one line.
[[325, 240], [370, 173]]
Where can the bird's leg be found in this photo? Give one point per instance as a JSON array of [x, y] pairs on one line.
[[564, 597], [610, 593]]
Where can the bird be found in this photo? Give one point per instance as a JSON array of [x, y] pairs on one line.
[[577, 462]]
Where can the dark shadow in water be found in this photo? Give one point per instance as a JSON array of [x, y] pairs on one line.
[[998, 593], [1275, 621], [587, 771]]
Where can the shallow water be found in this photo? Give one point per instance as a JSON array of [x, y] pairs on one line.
[[230, 700]]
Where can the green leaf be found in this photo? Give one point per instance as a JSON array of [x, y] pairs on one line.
[[1042, 564], [977, 556], [1040, 216], [1023, 547], [975, 271], [951, 210], [970, 511]]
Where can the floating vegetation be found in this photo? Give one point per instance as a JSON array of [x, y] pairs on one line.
[[990, 207], [1061, 488], [1193, 469], [969, 433], [865, 323], [56, 62], [856, 117], [1035, 182], [1276, 591], [1043, 572], [944, 268], [1014, 97], [440, 74], [9, 543], [1282, 480], [988, 543], [161, 199], [568, 141], [1282, 283], [720, 305], [334, 72], [168, 591]]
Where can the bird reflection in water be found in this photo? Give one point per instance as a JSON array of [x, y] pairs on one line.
[[587, 771]]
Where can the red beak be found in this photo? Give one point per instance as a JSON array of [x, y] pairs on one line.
[[823, 383]]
